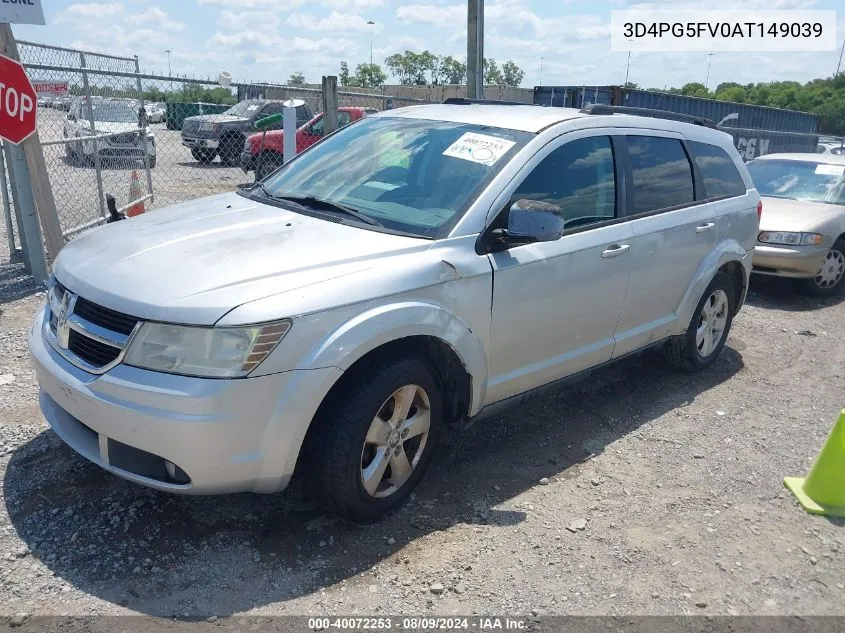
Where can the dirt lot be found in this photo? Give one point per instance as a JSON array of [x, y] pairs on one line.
[[642, 491]]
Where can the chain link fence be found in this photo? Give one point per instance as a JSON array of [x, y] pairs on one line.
[[109, 130]]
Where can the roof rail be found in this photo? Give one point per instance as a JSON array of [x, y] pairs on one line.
[[465, 101], [600, 108]]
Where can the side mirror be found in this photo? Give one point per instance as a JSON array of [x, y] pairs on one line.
[[531, 221]]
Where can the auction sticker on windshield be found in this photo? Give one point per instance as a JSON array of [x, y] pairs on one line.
[[479, 148], [830, 170]]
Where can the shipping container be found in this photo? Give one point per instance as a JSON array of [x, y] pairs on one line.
[[756, 130]]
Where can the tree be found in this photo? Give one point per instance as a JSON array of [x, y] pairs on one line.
[[512, 74], [296, 79], [492, 74], [695, 89], [454, 71], [400, 67], [369, 76], [344, 74]]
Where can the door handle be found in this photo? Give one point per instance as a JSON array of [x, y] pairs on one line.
[[701, 228], [615, 250]]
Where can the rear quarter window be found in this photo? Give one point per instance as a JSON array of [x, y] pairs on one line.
[[661, 172], [719, 173]]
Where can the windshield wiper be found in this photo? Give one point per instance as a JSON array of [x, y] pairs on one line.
[[327, 205]]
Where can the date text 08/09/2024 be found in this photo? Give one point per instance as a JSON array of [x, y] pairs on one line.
[[417, 624]]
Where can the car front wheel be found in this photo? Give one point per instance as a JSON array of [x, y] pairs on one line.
[[829, 278], [374, 441], [708, 330]]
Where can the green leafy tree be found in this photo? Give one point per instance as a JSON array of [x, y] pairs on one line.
[[492, 74], [296, 79], [344, 74], [512, 74], [695, 89], [369, 76], [400, 67], [454, 71]]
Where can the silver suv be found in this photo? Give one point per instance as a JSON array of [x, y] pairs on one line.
[[417, 268]]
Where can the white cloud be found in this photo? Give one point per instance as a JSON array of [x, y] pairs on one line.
[[274, 5], [335, 21], [354, 4], [75, 13], [248, 20], [156, 18]]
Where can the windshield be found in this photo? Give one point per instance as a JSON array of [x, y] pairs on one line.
[[800, 180], [411, 175], [244, 109], [114, 113]]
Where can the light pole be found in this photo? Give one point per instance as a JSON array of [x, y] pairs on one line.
[[370, 22], [836, 74], [541, 70], [709, 59], [628, 67], [169, 71]]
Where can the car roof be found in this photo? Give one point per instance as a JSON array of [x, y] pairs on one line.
[[532, 118], [830, 159]]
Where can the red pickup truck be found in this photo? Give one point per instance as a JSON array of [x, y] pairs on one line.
[[271, 150]]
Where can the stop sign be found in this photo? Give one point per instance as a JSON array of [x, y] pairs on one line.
[[17, 102]]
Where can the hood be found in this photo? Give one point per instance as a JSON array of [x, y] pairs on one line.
[[217, 118], [111, 127], [783, 214], [195, 262]]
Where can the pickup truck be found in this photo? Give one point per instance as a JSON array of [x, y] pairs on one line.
[[223, 134], [269, 147]]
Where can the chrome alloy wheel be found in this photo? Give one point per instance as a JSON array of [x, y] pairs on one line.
[[831, 271], [395, 441], [712, 323]]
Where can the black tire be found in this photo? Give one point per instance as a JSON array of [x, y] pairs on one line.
[[267, 164], [812, 286], [230, 150], [337, 451], [203, 155], [683, 351]]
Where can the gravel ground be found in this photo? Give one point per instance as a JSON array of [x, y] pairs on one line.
[[641, 491]]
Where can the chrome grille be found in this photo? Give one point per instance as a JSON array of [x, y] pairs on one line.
[[90, 336], [190, 126]]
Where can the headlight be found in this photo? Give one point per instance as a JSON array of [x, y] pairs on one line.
[[211, 352], [208, 127], [789, 238]]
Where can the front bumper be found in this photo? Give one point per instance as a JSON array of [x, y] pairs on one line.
[[788, 261], [219, 436], [200, 143]]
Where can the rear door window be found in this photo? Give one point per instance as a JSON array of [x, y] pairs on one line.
[[719, 173], [661, 172]]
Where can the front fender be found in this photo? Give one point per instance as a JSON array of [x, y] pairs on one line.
[[726, 251], [383, 324]]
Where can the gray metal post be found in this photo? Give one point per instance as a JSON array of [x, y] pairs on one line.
[[329, 105], [7, 205], [98, 166], [30, 229], [475, 49], [144, 131], [16, 204]]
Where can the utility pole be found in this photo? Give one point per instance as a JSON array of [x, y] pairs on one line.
[[541, 70], [628, 67], [839, 65], [709, 59], [370, 22], [169, 71], [475, 49]]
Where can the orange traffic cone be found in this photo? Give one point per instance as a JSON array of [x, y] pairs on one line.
[[135, 193]]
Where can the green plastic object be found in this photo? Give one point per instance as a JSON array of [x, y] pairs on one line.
[[267, 122], [822, 491]]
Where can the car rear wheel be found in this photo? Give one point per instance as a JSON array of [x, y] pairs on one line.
[[202, 155], [708, 330], [230, 150], [266, 165], [374, 441], [829, 278]]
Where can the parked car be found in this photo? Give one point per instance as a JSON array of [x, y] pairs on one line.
[[422, 267], [224, 134], [802, 230], [837, 148], [112, 117], [155, 112], [264, 153]]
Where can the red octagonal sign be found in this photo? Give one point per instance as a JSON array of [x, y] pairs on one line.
[[17, 102]]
